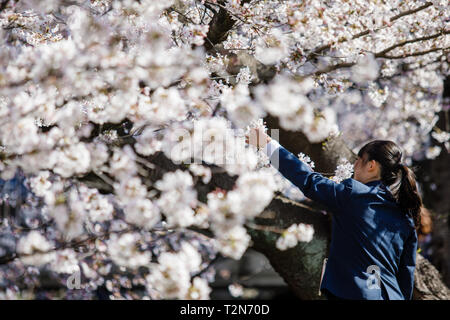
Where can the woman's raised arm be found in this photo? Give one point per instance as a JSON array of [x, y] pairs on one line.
[[313, 185]]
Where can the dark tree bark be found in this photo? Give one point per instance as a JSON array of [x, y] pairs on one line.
[[219, 26], [428, 284], [435, 176]]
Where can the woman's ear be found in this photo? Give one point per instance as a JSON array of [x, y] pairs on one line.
[[373, 165]]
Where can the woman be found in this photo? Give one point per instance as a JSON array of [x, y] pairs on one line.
[[374, 241]]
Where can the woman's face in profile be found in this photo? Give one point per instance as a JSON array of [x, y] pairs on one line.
[[365, 171], [358, 169]]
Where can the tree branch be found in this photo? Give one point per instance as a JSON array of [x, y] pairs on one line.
[[414, 54], [366, 32], [383, 52], [220, 24], [377, 55]]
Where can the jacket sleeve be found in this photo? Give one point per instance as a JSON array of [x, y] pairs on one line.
[[407, 265], [313, 185]]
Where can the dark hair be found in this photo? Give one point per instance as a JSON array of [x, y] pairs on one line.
[[400, 179]]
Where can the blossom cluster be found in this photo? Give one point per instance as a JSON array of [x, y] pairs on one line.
[[292, 235]]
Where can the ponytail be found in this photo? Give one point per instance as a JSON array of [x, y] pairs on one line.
[[408, 196]]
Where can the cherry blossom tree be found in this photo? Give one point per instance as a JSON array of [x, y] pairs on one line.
[[123, 155]]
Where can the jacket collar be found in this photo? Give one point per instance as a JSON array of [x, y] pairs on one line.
[[373, 183], [385, 189]]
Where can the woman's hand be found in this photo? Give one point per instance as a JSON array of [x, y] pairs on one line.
[[257, 137]]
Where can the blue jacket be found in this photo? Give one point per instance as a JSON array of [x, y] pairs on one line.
[[373, 242]]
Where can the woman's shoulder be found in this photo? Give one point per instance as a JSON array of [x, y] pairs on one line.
[[373, 189], [359, 187]]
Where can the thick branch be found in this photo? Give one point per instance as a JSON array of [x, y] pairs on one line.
[[221, 23], [3, 5]]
